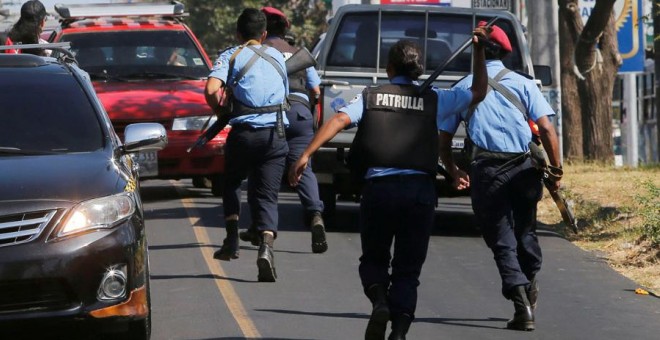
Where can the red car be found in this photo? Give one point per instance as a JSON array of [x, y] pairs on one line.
[[147, 66]]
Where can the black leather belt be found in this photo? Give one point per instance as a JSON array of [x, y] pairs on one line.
[[248, 127], [397, 178]]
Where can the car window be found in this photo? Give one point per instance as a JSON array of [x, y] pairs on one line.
[[46, 113], [138, 54], [357, 40], [344, 49]]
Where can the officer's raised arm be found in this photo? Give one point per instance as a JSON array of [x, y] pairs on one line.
[[480, 80]]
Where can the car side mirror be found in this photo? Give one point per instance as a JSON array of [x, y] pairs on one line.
[[144, 137], [544, 74]]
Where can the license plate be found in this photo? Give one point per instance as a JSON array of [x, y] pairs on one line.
[[148, 162], [457, 143]]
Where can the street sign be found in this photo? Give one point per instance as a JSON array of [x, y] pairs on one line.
[[630, 31], [493, 4]]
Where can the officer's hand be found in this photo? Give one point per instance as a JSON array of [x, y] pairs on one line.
[[461, 179], [480, 35], [553, 175], [296, 170]]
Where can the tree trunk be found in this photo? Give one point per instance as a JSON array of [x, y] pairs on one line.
[[570, 26], [600, 63], [596, 58]]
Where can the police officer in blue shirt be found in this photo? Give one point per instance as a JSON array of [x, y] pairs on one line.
[[397, 138], [250, 81], [300, 130], [505, 185]]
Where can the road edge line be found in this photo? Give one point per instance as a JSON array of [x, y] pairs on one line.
[[226, 289]]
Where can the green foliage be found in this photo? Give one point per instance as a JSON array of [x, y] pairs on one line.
[[648, 199], [214, 22]]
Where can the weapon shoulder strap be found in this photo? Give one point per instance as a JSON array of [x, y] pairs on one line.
[[493, 84], [258, 52], [262, 53], [507, 93], [247, 66]]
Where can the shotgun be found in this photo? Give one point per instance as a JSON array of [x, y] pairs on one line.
[[550, 174], [454, 55]]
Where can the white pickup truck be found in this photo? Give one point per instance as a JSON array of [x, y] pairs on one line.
[[353, 54]]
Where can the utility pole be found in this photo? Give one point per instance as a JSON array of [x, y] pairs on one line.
[[543, 36]]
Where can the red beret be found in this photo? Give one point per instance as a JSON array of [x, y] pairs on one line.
[[497, 35], [274, 11]]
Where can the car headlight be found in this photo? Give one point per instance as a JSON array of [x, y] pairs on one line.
[[99, 213], [192, 123]]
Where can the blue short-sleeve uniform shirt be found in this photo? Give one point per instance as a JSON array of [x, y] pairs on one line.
[[496, 124], [261, 86], [450, 102]]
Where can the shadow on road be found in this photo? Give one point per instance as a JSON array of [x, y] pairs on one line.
[[466, 322], [454, 217], [235, 338], [201, 276]]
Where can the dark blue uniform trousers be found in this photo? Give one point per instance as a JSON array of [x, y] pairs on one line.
[[504, 201], [259, 156], [298, 135], [399, 208]]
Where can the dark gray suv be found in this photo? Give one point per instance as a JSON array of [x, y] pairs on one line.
[[73, 247]]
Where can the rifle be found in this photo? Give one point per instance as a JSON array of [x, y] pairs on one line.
[[442, 67], [300, 60], [550, 175], [211, 132], [454, 55]]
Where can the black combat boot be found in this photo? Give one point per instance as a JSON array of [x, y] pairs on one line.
[[251, 235], [533, 293], [319, 244], [400, 326], [229, 249], [380, 313], [523, 318], [266, 259]]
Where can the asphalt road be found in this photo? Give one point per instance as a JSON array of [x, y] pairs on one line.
[[318, 296]]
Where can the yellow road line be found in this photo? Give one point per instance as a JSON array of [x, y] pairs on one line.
[[224, 286]]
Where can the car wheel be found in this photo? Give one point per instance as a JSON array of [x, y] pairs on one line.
[[141, 329], [201, 182], [217, 185]]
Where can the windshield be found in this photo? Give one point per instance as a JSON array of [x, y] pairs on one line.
[[357, 42], [134, 55], [44, 113]]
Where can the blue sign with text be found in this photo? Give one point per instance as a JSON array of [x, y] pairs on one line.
[[630, 31]]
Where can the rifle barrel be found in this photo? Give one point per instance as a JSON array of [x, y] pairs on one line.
[[451, 58]]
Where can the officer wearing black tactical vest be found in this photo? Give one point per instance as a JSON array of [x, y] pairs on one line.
[[397, 140], [302, 85]]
